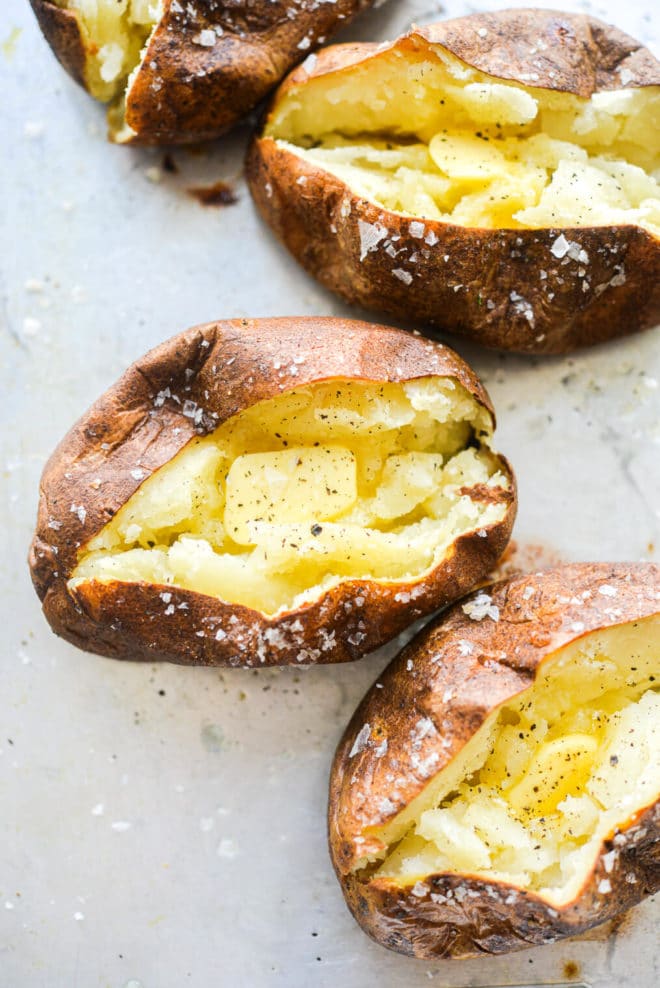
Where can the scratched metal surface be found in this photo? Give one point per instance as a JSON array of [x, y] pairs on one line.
[[159, 826]]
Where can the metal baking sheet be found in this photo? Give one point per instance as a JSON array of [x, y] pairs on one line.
[[164, 827]]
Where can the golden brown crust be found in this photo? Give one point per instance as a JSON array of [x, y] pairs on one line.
[[513, 289], [187, 90], [573, 53], [188, 386], [61, 29], [453, 689]]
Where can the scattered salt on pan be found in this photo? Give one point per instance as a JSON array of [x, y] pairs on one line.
[[33, 128], [206, 823], [98, 810], [9, 905], [480, 607], [31, 326], [227, 848], [361, 742], [79, 917], [120, 826]]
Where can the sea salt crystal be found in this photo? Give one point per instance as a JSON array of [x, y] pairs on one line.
[[206, 38], [404, 276], [371, 235], [361, 742], [480, 607]]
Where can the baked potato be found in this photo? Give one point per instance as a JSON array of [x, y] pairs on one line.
[[175, 72], [493, 176], [499, 789], [271, 491]]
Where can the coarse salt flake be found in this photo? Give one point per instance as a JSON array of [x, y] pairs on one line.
[[361, 742], [205, 38], [481, 607], [371, 235]]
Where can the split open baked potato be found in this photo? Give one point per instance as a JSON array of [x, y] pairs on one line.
[[499, 787], [176, 71], [494, 175], [271, 491]]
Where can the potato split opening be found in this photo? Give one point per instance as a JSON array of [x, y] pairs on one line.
[[421, 133], [338, 480], [548, 777], [116, 33]]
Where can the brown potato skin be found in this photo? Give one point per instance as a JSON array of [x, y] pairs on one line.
[[186, 92], [505, 660], [61, 30], [464, 282], [213, 372]]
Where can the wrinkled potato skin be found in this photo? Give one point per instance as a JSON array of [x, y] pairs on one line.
[[202, 91], [91, 467], [528, 632], [585, 56]]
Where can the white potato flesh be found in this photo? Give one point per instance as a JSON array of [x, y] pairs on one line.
[[549, 776], [336, 480], [453, 144], [116, 31], [283, 488]]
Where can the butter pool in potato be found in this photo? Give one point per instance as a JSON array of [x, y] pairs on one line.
[[494, 175], [500, 788], [272, 491]]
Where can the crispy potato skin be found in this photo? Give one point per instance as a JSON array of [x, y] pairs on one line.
[[185, 91], [481, 283], [61, 30], [218, 370], [506, 658]]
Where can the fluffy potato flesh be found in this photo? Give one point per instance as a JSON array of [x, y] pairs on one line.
[[549, 776], [115, 33], [428, 136], [333, 481]]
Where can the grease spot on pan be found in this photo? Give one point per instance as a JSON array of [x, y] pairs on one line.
[[213, 738], [218, 194]]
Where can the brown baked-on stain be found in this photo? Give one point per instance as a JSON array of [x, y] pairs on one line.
[[571, 970], [218, 194], [170, 165]]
